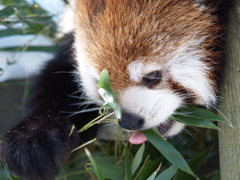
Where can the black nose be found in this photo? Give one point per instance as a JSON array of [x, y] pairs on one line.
[[131, 121]]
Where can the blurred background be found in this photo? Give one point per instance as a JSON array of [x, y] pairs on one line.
[[29, 37]]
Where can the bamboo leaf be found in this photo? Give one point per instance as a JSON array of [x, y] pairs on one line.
[[195, 163], [94, 165], [127, 165], [33, 48], [107, 94], [12, 2], [168, 151], [138, 158], [198, 113], [112, 172], [4, 174], [149, 168], [154, 174], [106, 163], [168, 173], [194, 122], [6, 12]]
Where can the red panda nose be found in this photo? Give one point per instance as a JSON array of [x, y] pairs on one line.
[[131, 121]]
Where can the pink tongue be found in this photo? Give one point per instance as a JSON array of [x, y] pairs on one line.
[[137, 138]]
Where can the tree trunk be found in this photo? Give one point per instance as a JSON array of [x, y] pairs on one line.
[[229, 138]]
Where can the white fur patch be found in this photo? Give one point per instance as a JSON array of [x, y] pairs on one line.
[[184, 65], [188, 69], [175, 129], [137, 69], [89, 75], [155, 106], [89, 81]]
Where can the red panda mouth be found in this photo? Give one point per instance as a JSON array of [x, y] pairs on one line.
[[138, 138], [164, 127]]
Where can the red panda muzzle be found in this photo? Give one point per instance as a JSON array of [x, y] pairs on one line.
[[131, 121]]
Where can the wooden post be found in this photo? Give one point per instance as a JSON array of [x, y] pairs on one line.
[[229, 138]]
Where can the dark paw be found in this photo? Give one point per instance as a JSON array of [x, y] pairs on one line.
[[35, 148]]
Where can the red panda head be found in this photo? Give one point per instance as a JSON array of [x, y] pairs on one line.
[[160, 56]]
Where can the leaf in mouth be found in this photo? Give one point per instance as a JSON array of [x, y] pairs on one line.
[[107, 93]]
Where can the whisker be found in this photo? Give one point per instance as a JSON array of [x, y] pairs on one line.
[[182, 138], [77, 97], [79, 112], [87, 103], [64, 72], [189, 125], [230, 124]]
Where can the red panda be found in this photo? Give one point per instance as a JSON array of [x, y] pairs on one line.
[[161, 55]]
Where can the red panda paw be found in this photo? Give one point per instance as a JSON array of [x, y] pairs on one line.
[[35, 148]]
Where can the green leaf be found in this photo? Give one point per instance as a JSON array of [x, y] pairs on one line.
[[12, 2], [198, 113], [138, 158], [5, 175], [149, 168], [6, 12], [105, 160], [108, 162], [152, 177], [195, 163], [194, 122], [154, 174], [10, 32], [107, 94], [168, 151], [112, 172], [127, 165], [168, 173], [11, 9], [94, 165], [104, 79], [33, 48]]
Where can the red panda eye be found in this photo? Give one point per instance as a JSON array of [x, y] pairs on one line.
[[151, 78]]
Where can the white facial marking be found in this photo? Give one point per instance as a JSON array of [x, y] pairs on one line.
[[188, 69], [155, 106], [175, 129], [89, 81], [137, 69], [185, 66], [89, 75]]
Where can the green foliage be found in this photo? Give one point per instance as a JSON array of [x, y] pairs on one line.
[[4, 174], [107, 93], [198, 117], [23, 18], [167, 150], [33, 19]]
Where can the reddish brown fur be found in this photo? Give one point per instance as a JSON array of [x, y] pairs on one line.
[[118, 32]]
